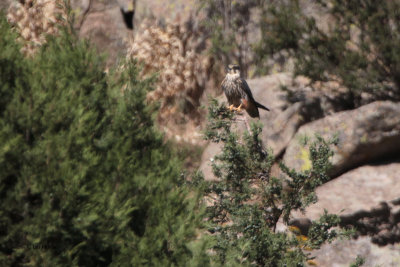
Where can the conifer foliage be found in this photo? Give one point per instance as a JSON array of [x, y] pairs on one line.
[[85, 180], [246, 202]]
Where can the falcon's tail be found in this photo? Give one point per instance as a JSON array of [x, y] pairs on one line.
[[261, 106]]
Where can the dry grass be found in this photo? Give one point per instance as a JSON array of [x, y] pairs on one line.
[[174, 52], [34, 19]]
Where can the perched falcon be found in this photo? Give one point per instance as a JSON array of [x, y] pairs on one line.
[[238, 92]]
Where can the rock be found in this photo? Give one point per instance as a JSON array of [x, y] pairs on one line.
[[282, 121], [365, 134], [104, 25], [363, 189], [5, 4], [341, 253], [207, 159], [267, 90], [279, 125], [277, 132], [366, 198]]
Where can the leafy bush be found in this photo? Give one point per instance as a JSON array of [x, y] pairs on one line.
[[86, 179], [246, 202]]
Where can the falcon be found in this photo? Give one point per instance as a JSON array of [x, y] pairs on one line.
[[238, 93]]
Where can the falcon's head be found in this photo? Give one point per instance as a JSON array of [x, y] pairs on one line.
[[233, 69]]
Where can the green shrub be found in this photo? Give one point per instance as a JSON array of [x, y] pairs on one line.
[[86, 179], [246, 202]]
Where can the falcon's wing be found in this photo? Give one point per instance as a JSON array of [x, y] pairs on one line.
[[252, 104], [246, 89]]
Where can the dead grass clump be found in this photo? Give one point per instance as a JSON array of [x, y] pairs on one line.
[[34, 19], [173, 52]]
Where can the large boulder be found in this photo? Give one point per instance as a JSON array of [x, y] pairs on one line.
[[282, 121], [341, 253], [360, 189], [367, 198], [365, 134]]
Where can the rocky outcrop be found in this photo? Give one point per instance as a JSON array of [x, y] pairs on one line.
[[103, 23], [367, 198], [282, 121], [365, 134], [360, 189], [341, 253]]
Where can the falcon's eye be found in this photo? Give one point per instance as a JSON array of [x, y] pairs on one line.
[[233, 67]]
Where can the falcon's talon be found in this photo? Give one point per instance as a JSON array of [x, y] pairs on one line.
[[239, 108], [231, 107]]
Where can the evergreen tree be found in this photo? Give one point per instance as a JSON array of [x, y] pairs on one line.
[[86, 179], [246, 202]]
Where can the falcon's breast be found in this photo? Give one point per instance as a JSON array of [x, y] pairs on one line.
[[232, 86]]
